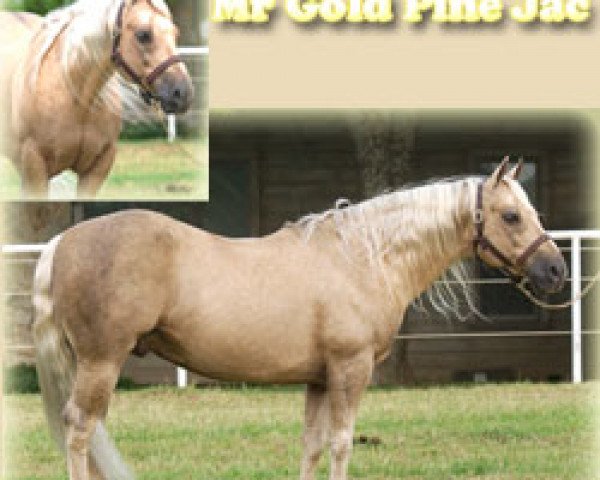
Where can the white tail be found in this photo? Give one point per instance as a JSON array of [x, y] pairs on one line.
[[55, 364]]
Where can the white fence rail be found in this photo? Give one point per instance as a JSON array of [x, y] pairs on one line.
[[575, 237]]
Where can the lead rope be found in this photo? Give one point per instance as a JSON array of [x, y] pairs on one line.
[[558, 306]]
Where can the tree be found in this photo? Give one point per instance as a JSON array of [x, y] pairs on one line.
[[384, 144], [41, 7]]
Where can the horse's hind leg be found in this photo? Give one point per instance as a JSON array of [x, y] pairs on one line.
[[347, 379], [94, 383], [91, 180], [316, 426], [34, 172]]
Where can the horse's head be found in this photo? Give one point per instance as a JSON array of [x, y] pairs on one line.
[[144, 51], [508, 233]]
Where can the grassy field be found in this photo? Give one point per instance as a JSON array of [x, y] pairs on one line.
[[484, 432], [144, 169]]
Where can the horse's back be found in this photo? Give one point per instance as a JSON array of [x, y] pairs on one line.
[[124, 276], [141, 276]]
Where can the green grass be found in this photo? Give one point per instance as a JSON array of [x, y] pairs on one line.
[[144, 169], [485, 432]]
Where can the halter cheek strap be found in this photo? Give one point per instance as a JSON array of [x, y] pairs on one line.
[[481, 242], [145, 83]]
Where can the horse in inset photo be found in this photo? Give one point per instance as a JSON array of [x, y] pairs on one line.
[[66, 79]]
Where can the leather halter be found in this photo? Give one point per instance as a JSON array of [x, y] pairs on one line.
[[145, 83], [483, 243]]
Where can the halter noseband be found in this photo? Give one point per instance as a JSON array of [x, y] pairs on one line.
[[145, 83], [483, 243]]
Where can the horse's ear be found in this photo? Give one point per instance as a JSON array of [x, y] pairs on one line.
[[516, 170], [500, 171]]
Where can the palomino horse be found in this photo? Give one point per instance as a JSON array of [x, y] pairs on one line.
[[61, 85], [318, 302]]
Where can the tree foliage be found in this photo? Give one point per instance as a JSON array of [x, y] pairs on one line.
[[41, 7]]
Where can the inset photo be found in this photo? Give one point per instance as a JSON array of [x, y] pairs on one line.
[[104, 99]]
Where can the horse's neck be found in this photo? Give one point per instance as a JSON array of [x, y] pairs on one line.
[[424, 252], [90, 66], [421, 266]]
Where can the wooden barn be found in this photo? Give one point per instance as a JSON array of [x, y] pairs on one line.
[[271, 167]]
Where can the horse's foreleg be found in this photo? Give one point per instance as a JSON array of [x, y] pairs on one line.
[[316, 426], [347, 379], [92, 389], [34, 172], [90, 181], [94, 472]]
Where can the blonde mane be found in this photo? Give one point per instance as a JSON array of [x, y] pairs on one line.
[[89, 27], [83, 22], [427, 215]]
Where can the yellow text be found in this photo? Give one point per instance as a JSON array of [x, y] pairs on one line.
[[242, 11], [551, 11], [333, 11], [453, 11]]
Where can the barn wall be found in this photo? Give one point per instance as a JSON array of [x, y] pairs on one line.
[[297, 175]]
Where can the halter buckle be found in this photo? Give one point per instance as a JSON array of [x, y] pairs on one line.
[[522, 283], [147, 96], [478, 215]]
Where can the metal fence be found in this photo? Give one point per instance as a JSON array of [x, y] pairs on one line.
[[577, 241]]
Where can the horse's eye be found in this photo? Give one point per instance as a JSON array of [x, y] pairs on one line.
[[143, 36], [511, 217]]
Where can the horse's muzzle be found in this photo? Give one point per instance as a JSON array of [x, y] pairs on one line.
[[547, 273], [175, 94]]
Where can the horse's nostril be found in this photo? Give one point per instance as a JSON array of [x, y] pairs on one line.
[[177, 93], [556, 271]]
